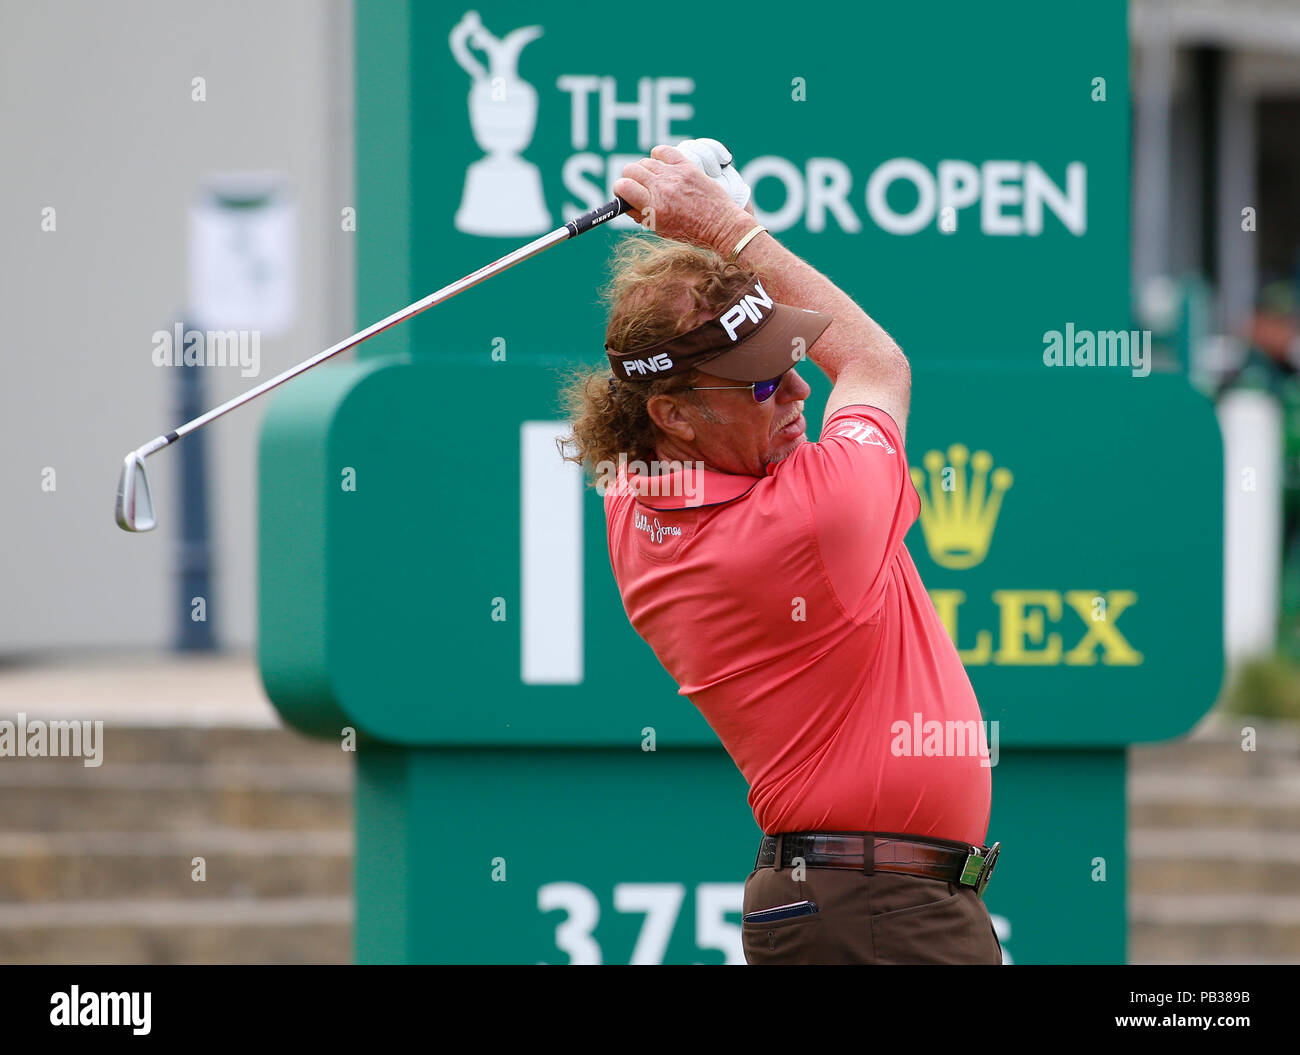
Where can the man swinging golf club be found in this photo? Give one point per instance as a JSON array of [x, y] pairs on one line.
[[768, 573]]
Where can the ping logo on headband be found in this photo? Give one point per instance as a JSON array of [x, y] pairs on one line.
[[738, 330], [655, 364], [746, 308]]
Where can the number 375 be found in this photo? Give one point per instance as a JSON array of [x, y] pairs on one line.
[[661, 903]]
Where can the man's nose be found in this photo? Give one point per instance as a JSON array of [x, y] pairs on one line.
[[794, 387]]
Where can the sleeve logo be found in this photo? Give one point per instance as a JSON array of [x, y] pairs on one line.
[[864, 435]]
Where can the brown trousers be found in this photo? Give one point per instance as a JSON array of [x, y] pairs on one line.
[[880, 918]]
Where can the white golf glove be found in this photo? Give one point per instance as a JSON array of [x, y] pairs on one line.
[[715, 160]]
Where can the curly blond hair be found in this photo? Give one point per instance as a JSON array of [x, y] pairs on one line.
[[658, 290]]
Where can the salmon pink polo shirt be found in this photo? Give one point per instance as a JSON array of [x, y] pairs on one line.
[[789, 611]]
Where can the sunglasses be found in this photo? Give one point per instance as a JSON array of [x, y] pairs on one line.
[[763, 390]]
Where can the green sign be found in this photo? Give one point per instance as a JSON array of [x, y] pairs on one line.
[[1059, 564]]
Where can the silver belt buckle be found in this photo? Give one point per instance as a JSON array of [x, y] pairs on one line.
[[978, 869]]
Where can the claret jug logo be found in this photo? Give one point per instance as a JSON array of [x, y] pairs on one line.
[[962, 497], [503, 192]]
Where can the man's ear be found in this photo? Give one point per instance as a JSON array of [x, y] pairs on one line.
[[669, 418]]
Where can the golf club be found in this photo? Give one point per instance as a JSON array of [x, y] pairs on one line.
[[135, 508]]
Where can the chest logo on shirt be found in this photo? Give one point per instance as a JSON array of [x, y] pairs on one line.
[[657, 531], [864, 435]]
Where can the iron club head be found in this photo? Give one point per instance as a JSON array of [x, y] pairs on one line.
[[134, 502]]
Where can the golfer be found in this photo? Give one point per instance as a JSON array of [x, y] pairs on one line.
[[768, 574]]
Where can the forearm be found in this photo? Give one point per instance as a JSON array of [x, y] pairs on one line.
[[854, 341]]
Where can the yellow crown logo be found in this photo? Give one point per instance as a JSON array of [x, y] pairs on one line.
[[959, 514]]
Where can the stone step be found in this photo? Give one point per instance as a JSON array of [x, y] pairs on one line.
[[1210, 760], [1191, 817], [1220, 928], [1197, 801], [45, 795], [1209, 960], [1281, 910], [205, 746], [180, 931], [1213, 861], [1150, 877], [158, 778], [111, 808], [1215, 748], [37, 867], [34, 773]]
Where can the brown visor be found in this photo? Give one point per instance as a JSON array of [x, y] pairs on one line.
[[753, 340]]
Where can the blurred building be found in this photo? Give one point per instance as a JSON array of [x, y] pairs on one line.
[[1215, 229], [1216, 130]]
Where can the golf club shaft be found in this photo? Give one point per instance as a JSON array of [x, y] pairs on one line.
[[572, 229]]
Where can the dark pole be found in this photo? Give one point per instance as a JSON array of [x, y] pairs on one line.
[[1208, 67], [193, 552]]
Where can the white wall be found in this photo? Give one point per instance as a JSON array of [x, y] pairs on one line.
[[97, 120]]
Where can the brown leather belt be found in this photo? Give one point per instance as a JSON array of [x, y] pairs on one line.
[[869, 852]]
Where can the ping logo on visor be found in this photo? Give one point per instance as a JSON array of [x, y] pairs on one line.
[[746, 308], [751, 340], [654, 365]]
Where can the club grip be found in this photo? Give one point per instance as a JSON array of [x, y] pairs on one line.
[[596, 217]]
